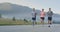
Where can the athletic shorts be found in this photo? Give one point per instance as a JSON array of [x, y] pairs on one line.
[[42, 18], [50, 18], [33, 18]]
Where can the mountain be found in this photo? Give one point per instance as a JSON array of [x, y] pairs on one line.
[[9, 10], [13, 8]]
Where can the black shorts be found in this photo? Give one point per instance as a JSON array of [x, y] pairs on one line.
[[42, 18], [50, 18], [33, 18]]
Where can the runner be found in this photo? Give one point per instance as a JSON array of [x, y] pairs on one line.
[[34, 16], [49, 13], [42, 16]]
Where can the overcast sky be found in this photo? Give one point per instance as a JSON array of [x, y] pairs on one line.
[[38, 4]]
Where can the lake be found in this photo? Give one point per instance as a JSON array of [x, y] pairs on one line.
[[29, 28]]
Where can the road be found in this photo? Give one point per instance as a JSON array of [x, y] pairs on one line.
[[29, 28]]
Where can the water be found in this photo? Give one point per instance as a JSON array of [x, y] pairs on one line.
[[29, 28]]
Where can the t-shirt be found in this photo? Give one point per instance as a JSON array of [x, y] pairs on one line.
[[49, 13], [42, 14], [33, 14]]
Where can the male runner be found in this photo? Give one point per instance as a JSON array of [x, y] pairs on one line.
[[34, 16], [50, 14]]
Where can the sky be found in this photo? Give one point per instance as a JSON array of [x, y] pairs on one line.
[[38, 4]]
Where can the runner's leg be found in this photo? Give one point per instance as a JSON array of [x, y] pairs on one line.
[[49, 21], [42, 20]]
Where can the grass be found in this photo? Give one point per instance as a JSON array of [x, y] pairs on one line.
[[11, 22], [17, 22]]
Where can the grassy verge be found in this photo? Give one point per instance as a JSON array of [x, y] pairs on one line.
[[17, 22], [11, 22]]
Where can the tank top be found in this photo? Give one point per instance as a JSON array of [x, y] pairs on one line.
[[42, 14]]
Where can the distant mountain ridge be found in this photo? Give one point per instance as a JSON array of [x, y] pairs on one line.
[[15, 10]]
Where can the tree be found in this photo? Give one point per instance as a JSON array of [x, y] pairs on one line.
[[13, 19], [0, 15], [25, 20]]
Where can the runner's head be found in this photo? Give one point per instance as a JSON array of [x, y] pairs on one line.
[[34, 9], [49, 9], [42, 9]]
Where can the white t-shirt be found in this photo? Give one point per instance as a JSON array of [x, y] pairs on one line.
[[33, 14]]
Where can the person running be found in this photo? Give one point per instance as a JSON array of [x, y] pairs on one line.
[[42, 16], [50, 14], [34, 16]]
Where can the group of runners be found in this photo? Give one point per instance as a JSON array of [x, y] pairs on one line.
[[42, 16]]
